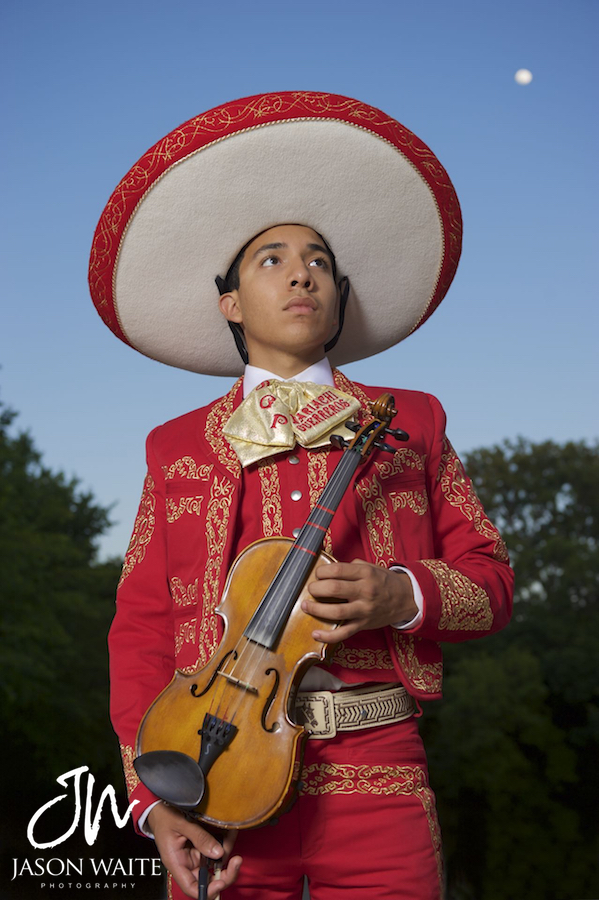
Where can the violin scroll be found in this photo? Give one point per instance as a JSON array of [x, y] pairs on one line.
[[371, 435]]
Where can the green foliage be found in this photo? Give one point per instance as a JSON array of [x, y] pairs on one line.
[[514, 744], [57, 603]]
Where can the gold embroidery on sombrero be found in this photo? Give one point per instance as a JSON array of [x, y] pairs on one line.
[[185, 634], [378, 520], [183, 596], [464, 605], [248, 116], [187, 467], [458, 491], [361, 658], [176, 508], [215, 420], [427, 677], [317, 481], [272, 508], [143, 529], [127, 757], [217, 521], [403, 460], [417, 501]]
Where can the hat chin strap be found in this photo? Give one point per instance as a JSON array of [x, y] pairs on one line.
[[344, 288], [237, 330]]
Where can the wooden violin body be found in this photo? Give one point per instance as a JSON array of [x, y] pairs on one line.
[[250, 686]]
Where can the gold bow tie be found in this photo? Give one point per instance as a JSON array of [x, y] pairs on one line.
[[278, 413]]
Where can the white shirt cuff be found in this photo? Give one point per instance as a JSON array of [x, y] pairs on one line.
[[418, 600], [141, 822]]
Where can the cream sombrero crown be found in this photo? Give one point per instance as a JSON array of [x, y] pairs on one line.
[[377, 194]]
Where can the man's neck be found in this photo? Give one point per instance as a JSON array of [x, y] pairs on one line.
[[284, 365]]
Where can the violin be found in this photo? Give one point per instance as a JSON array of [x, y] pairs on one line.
[[222, 744]]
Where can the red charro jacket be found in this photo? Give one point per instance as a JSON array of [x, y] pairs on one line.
[[416, 508]]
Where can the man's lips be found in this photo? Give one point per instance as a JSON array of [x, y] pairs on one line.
[[301, 303]]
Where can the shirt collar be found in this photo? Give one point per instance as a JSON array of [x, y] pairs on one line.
[[319, 373]]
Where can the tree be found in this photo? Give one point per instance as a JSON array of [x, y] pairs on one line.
[[57, 605], [514, 743]]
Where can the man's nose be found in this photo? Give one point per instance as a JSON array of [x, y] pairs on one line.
[[301, 276]]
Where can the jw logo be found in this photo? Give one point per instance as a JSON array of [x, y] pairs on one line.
[[91, 819]]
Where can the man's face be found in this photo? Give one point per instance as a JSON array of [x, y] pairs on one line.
[[287, 296]]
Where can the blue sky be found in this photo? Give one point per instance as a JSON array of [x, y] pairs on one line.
[[89, 87]]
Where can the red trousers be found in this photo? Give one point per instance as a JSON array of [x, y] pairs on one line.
[[364, 826]]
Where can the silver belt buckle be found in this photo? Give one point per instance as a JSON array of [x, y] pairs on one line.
[[316, 712]]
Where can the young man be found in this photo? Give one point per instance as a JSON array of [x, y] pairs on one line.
[[418, 562]]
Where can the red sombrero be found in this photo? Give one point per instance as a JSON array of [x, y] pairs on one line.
[[377, 194]]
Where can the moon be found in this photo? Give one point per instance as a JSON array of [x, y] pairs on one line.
[[523, 76]]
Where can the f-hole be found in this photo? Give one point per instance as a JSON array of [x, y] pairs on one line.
[[269, 700], [193, 690]]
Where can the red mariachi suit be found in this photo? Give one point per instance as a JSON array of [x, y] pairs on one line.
[[415, 509]]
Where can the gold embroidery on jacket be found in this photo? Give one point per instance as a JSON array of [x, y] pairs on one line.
[[458, 490], [176, 508], [216, 418], [417, 501], [426, 677], [378, 520], [342, 383], [217, 521], [131, 779], [187, 467], [317, 481], [184, 596], [465, 606], [403, 460], [361, 658], [186, 634], [272, 510], [143, 529]]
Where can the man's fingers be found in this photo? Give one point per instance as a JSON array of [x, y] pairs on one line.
[[334, 588], [346, 571], [342, 633], [226, 878], [332, 612]]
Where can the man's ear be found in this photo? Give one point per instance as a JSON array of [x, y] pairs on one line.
[[229, 306]]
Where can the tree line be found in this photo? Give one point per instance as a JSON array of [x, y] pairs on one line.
[[512, 748]]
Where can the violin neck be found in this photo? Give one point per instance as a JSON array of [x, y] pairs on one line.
[[271, 615]]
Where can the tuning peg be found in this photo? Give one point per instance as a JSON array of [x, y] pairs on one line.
[[387, 447], [398, 434], [352, 426], [339, 442]]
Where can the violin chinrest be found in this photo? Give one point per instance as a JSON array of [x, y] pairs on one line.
[[172, 776]]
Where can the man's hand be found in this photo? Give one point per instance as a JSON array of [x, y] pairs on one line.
[[369, 597], [182, 844]]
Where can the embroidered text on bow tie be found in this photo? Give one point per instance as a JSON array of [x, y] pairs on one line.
[[278, 413]]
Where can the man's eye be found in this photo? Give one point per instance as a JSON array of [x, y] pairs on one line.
[[319, 262], [269, 261]]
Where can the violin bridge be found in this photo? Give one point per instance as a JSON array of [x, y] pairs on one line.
[[242, 684]]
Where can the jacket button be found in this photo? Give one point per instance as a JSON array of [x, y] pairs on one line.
[[296, 532], [296, 495], [293, 460]]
